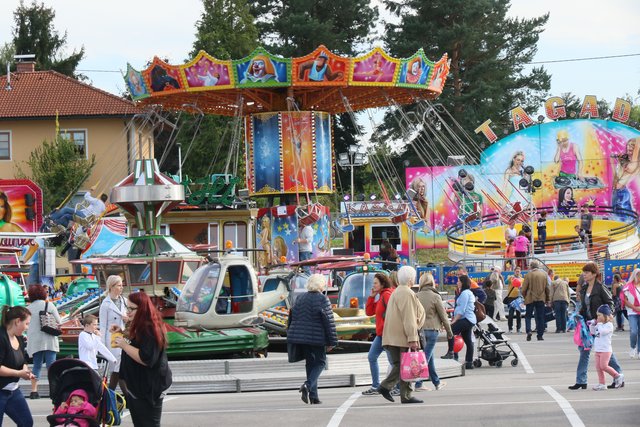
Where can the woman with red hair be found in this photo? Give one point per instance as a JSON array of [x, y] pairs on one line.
[[144, 366]]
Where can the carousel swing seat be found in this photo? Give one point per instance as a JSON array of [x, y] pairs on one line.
[[346, 228], [309, 216], [397, 218]]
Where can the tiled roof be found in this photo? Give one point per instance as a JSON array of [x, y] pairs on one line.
[[42, 93]]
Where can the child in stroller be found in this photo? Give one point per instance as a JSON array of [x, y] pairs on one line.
[[493, 346], [76, 403], [69, 379]]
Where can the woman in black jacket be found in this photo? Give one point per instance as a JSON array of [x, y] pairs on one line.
[[592, 295], [313, 330], [144, 366]]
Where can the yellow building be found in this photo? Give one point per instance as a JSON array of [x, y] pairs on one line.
[[98, 122]]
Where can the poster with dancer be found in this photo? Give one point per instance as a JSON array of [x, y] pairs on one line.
[[375, 68], [297, 152], [265, 157]]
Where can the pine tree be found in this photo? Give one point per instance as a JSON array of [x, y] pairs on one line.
[[488, 53], [297, 27], [34, 34]]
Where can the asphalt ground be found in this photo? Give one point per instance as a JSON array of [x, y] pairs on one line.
[[532, 394]]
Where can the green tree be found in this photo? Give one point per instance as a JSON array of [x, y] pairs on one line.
[[225, 30], [58, 168], [34, 34], [297, 27], [488, 53]]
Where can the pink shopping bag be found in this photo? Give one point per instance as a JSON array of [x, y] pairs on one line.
[[413, 366]]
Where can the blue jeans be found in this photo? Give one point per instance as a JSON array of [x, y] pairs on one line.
[[634, 331], [538, 307], [430, 339], [303, 256], [64, 215], [15, 406], [315, 361], [374, 353], [560, 311], [48, 356], [583, 365]]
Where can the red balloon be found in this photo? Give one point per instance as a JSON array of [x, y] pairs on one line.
[[458, 343]]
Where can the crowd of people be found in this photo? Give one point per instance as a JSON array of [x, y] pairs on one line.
[[131, 336]]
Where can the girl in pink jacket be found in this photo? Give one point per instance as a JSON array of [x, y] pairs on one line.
[[78, 404]]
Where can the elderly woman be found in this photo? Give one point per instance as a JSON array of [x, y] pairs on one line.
[[113, 311], [435, 319], [311, 327], [404, 316], [464, 318], [41, 346]]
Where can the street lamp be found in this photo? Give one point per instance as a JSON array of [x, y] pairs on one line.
[[530, 185], [351, 158]]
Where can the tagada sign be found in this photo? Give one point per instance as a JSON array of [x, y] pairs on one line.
[[555, 109]]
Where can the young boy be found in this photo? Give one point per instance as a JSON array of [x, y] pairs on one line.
[[89, 343]]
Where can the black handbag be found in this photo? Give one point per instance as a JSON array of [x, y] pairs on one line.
[[295, 352], [48, 323]]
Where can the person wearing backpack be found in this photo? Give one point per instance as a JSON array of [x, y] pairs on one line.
[[377, 305], [464, 319], [536, 296]]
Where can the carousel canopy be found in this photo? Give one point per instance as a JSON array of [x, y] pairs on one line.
[[262, 82]]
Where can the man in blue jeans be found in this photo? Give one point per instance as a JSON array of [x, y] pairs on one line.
[[536, 296], [95, 207]]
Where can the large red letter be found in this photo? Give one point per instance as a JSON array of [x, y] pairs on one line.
[[589, 107], [520, 117], [554, 108], [621, 110]]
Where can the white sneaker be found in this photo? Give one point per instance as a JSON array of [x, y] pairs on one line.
[[618, 381], [599, 387], [441, 385], [633, 353]]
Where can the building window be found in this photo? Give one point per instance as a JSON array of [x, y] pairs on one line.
[[78, 137], [5, 145]]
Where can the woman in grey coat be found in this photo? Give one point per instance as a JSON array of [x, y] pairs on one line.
[[41, 346]]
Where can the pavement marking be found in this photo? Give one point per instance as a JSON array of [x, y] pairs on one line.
[[126, 412], [566, 407], [522, 359], [342, 410]]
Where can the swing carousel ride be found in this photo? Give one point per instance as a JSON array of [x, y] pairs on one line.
[[286, 106]]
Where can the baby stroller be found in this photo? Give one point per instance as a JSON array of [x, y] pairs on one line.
[[492, 346], [67, 375]]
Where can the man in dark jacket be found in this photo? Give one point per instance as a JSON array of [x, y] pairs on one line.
[[313, 329]]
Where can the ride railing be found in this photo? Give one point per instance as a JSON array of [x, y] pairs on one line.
[[554, 244]]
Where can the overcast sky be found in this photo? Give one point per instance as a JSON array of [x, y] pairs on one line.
[[116, 32]]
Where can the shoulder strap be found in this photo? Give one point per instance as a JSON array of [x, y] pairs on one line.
[[46, 304]]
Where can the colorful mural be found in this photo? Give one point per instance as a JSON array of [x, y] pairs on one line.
[[289, 152], [277, 231], [583, 161], [20, 206]]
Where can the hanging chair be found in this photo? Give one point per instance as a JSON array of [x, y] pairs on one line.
[[309, 214]]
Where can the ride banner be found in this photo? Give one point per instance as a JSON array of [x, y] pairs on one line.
[[623, 267]]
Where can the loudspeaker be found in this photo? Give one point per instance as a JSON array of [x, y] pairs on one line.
[[30, 214], [28, 199]]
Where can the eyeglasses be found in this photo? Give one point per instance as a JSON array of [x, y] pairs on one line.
[[130, 309]]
